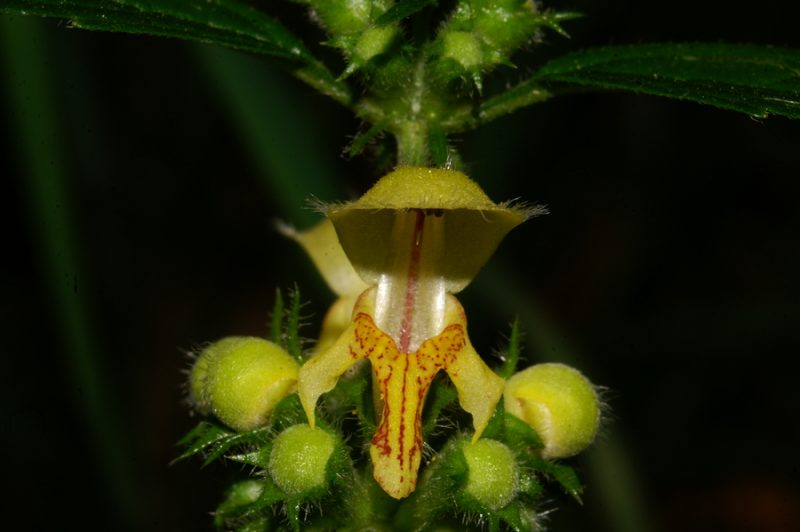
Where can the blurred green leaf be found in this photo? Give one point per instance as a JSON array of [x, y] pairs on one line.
[[756, 80], [227, 23], [29, 91], [403, 9], [279, 130]]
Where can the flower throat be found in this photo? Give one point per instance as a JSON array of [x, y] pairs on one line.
[[411, 294]]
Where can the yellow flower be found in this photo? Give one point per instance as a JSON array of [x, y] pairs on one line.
[[414, 239]]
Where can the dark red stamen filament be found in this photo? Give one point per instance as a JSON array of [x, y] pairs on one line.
[[411, 286]]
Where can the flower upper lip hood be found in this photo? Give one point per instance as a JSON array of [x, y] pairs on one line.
[[473, 226]]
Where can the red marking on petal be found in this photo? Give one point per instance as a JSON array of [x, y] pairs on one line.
[[411, 283]]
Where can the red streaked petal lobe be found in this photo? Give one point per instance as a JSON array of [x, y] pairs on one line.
[[402, 381]]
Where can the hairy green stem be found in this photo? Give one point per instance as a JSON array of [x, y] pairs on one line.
[[412, 143], [411, 129]]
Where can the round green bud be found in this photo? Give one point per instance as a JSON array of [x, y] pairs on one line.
[[493, 478], [299, 459], [463, 47], [198, 382], [559, 403], [241, 379], [373, 42]]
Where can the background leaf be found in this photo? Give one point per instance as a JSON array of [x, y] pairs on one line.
[[756, 80], [403, 9], [227, 23]]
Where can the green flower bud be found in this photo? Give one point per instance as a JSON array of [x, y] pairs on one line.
[[463, 47], [351, 16], [493, 478], [241, 379], [559, 403], [373, 42], [299, 460]]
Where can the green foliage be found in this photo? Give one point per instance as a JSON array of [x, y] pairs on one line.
[[756, 80], [420, 72], [228, 23]]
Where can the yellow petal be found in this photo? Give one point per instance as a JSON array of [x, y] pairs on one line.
[[322, 245], [336, 321], [402, 381], [479, 388], [473, 225], [321, 372]]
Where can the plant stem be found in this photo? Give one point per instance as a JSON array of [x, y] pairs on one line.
[[411, 132], [412, 143]]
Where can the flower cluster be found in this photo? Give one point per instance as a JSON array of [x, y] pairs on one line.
[[396, 257]]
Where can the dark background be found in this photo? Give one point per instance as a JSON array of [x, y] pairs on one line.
[[667, 270]]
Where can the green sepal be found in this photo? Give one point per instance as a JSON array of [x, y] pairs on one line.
[[530, 486], [366, 505], [287, 412], [222, 446], [439, 481], [362, 139], [215, 442], [285, 323], [517, 517], [258, 457], [564, 475], [512, 431], [553, 19], [200, 438], [511, 356], [293, 343], [353, 393], [519, 434], [441, 395]]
